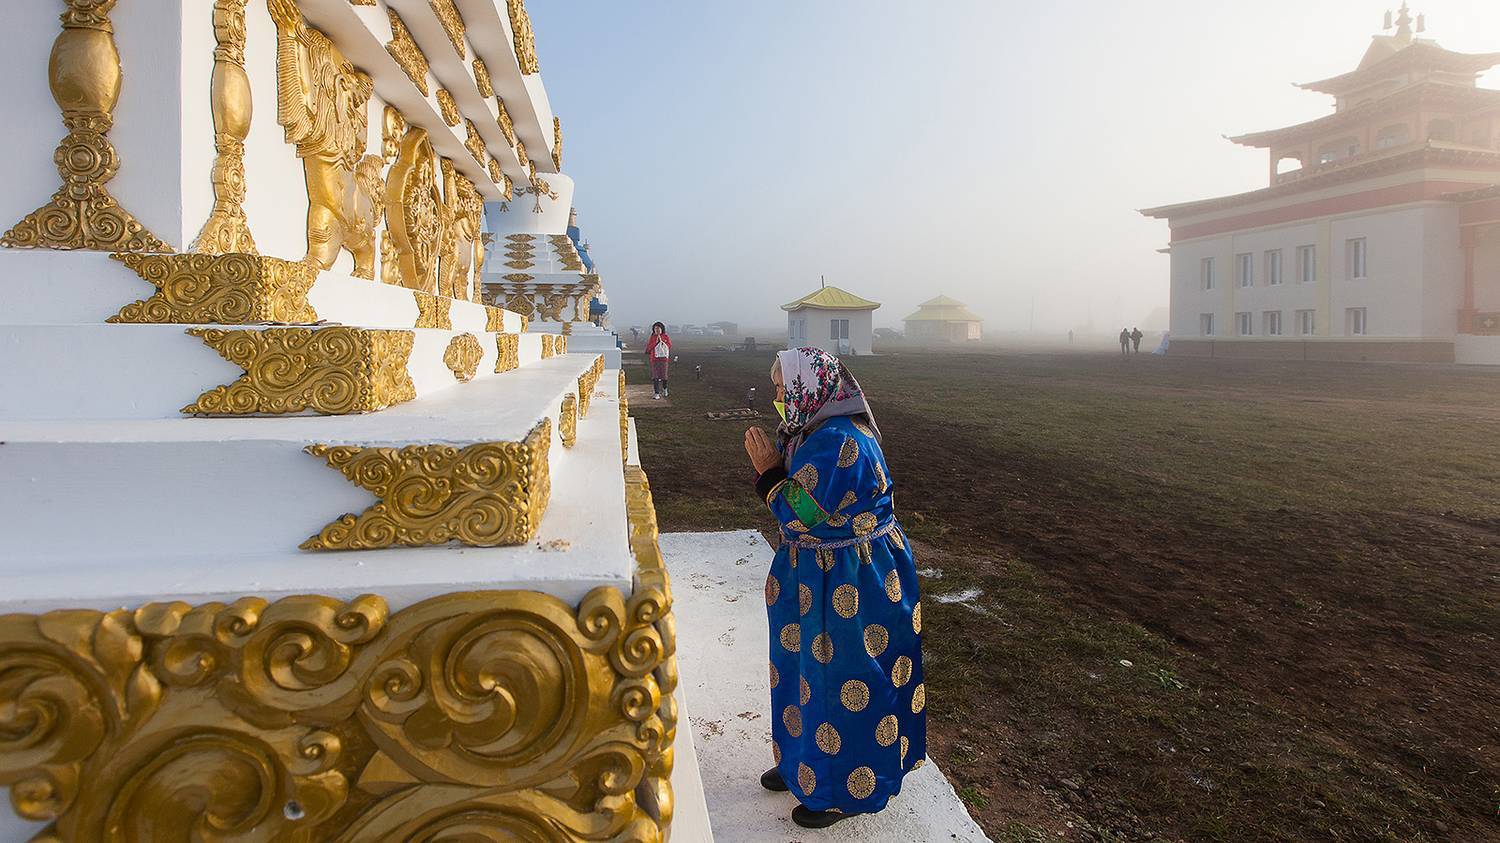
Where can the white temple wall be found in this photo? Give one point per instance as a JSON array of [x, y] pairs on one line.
[[1487, 272]]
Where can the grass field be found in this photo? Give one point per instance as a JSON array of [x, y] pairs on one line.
[[1172, 598]]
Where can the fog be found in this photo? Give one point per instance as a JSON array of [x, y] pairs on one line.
[[728, 154]]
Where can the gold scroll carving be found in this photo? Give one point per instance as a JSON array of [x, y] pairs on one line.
[[219, 289], [447, 107], [453, 24], [523, 37], [321, 102], [557, 143], [84, 76], [567, 420], [482, 78], [312, 718], [483, 495], [403, 48], [508, 352], [433, 311], [334, 370], [462, 254], [462, 357], [227, 230], [413, 209]]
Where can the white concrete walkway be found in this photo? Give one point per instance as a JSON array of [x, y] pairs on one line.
[[718, 583]]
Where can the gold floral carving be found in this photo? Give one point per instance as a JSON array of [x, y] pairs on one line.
[[495, 715], [392, 130], [497, 175], [403, 48], [448, 108], [523, 36], [483, 495], [518, 264], [463, 356], [332, 370], [433, 311], [547, 347], [508, 352], [520, 302], [538, 188], [586, 381], [506, 126], [453, 24], [520, 238], [521, 155], [557, 143], [517, 277], [567, 420], [474, 143], [482, 78], [84, 77], [227, 230], [219, 289], [494, 318], [413, 208], [321, 102]]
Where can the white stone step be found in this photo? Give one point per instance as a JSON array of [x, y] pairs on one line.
[[197, 507], [99, 371]]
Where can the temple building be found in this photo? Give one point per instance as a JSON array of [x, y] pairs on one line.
[[832, 319], [1378, 234], [943, 320]]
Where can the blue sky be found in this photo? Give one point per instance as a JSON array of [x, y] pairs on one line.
[[727, 154]]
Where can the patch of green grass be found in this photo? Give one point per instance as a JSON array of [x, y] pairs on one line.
[[971, 796]]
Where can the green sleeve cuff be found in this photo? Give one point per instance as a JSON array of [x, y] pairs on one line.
[[803, 504]]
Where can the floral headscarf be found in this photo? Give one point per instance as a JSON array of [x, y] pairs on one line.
[[818, 388]]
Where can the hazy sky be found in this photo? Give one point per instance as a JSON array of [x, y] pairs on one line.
[[727, 154]]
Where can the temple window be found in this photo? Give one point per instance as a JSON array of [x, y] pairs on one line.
[[1338, 150], [1355, 257], [1441, 130], [1390, 136], [1206, 274]]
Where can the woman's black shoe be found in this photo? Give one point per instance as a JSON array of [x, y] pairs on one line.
[[807, 818], [771, 780]]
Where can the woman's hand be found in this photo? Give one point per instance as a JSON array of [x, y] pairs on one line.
[[763, 452]]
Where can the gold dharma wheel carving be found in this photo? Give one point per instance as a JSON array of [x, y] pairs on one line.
[[412, 206]]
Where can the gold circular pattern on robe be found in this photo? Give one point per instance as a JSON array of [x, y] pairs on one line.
[[893, 586], [825, 559], [905, 745], [828, 739], [855, 695], [846, 600], [896, 537], [876, 639], [880, 477], [804, 599], [822, 648], [796, 525], [916, 618], [805, 779], [773, 590], [791, 638], [807, 477], [849, 453], [861, 782], [864, 428], [886, 729], [865, 523], [791, 717], [775, 677], [901, 672], [806, 692], [919, 699]]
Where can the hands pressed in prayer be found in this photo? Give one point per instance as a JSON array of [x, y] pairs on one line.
[[763, 452]]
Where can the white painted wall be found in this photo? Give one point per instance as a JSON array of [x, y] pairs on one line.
[[861, 329]]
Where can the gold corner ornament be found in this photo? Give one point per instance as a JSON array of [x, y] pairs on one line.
[[403, 48], [474, 143], [494, 319], [447, 107], [333, 370], [567, 420], [507, 352], [83, 74], [230, 289], [227, 229], [452, 22], [547, 345], [483, 495], [462, 357], [482, 78], [523, 37], [312, 718], [433, 311]]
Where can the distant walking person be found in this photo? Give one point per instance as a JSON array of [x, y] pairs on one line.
[[658, 356], [1124, 342], [1070, 338], [1135, 339]]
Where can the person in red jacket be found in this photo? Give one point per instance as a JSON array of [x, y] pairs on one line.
[[658, 355]]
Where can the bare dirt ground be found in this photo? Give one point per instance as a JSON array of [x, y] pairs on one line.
[[1177, 599]]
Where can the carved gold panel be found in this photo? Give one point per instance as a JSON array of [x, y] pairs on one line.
[[482, 78], [433, 311], [453, 24], [494, 318], [547, 345], [462, 357], [448, 108], [403, 48], [481, 495], [474, 143], [486, 715], [567, 420], [523, 36], [84, 77], [557, 143], [333, 370], [508, 352], [227, 229], [219, 289], [506, 126], [624, 422], [414, 210]]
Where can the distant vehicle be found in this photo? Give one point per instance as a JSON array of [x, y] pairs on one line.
[[715, 332]]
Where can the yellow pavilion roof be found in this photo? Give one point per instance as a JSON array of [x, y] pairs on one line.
[[943, 309], [832, 298]]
